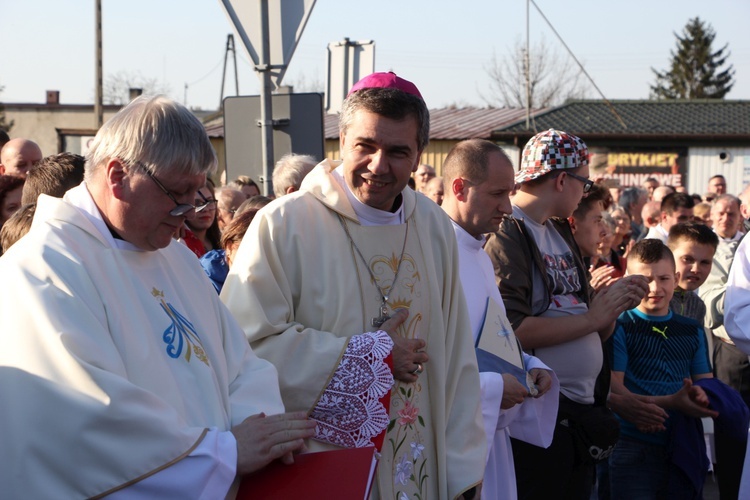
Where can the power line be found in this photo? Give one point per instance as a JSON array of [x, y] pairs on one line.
[[207, 74], [609, 104], [185, 89]]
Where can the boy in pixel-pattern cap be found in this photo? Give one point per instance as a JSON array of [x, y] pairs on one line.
[[545, 287]]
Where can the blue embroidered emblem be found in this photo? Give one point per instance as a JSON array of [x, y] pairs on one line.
[[504, 332], [181, 334]]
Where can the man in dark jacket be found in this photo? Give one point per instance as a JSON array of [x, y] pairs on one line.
[[545, 287]]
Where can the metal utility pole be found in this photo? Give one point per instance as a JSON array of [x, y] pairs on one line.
[[258, 22], [266, 113], [230, 47], [98, 100], [528, 70]]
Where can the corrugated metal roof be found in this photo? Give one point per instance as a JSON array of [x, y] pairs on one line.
[[445, 123], [471, 123], [215, 128], [454, 123], [644, 118], [666, 118]]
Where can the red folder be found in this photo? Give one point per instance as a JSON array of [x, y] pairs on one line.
[[343, 474]]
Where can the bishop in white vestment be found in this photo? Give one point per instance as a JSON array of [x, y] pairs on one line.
[[301, 292]]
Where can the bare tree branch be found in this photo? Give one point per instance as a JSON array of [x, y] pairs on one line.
[[552, 78], [117, 86], [306, 84]]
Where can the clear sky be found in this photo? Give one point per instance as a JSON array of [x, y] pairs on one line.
[[444, 46]]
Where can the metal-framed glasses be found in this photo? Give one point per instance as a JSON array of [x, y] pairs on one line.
[[587, 183], [180, 209]]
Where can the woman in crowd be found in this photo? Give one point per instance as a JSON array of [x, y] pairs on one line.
[[10, 196], [202, 233], [607, 255], [246, 185], [702, 213], [216, 262], [621, 236]]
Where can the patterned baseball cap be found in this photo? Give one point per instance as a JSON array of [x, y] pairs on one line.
[[385, 80], [551, 150]]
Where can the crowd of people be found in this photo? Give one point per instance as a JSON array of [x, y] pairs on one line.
[[162, 335]]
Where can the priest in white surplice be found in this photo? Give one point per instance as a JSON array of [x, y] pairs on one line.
[[478, 179], [121, 373], [320, 271], [737, 325]]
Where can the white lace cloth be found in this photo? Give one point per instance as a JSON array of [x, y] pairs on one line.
[[349, 413]]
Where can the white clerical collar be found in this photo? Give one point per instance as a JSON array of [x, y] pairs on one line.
[[80, 198], [466, 240], [367, 215], [737, 237]]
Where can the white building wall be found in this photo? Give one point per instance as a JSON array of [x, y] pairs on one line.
[[705, 162]]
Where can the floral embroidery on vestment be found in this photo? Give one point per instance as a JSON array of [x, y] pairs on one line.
[[410, 463], [406, 466]]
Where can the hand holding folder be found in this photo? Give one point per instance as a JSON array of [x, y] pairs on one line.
[[497, 348], [344, 474]]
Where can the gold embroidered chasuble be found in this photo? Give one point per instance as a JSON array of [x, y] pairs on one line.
[[300, 291]]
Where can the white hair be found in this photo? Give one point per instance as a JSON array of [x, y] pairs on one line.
[[289, 172], [157, 132]]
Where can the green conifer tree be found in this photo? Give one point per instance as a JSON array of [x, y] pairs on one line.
[[696, 70]]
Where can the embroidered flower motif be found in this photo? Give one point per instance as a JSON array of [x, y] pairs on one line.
[[416, 450], [403, 470], [181, 334], [408, 414]]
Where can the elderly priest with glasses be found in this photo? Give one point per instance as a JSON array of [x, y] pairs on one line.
[[121, 372]]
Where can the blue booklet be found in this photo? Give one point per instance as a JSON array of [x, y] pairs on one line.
[[498, 349]]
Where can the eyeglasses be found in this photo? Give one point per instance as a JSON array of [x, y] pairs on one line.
[[208, 202], [181, 209], [587, 183]]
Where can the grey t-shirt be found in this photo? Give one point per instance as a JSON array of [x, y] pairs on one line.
[[577, 363]]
